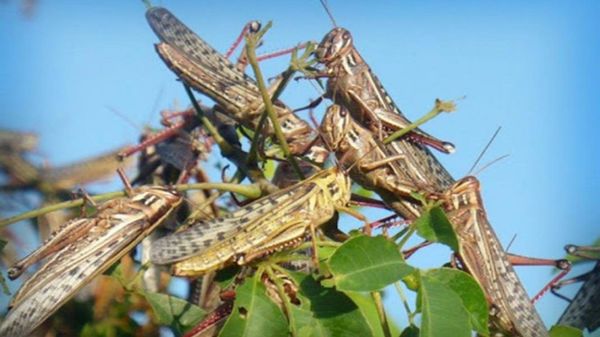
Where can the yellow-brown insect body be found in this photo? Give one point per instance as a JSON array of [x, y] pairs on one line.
[[268, 224]]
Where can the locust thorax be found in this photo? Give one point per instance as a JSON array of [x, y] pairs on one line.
[[158, 200], [340, 191], [335, 45]]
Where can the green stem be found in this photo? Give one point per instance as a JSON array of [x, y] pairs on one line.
[[56, 207], [225, 147], [405, 238], [381, 312], [251, 54], [297, 63], [232, 153], [440, 106], [250, 191], [404, 300], [287, 306], [306, 245], [147, 3], [253, 152], [288, 258]]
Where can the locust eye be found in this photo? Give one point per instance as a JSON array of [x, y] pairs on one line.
[[254, 26]]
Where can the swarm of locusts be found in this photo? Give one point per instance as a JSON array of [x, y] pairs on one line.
[[268, 255]]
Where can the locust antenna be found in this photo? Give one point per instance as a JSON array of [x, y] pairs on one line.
[[124, 117], [156, 102], [484, 150], [490, 164], [512, 240], [326, 7]]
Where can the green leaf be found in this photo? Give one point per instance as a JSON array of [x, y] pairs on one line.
[[442, 311], [413, 280], [116, 271], [254, 314], [325, 312], [269, 168], [173, 311], [433, 225], [366, 263], [363, 192], [469, 291], [565, 331], [367, 307]]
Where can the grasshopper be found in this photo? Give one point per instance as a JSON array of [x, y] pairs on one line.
[[81, 249], [237, 95], [52, 180], [13, 147], [481, 254], [582, 311], [352, 84], [17, 142], [393, 171], [396, 170], [268, 224], [84, 171]]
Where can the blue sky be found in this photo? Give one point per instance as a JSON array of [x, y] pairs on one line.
[[531, 68]]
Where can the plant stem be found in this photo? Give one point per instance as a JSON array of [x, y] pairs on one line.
[[381, 312], [287, 306], [225, 147], [405, 302], [440, 106], [251, 54], [233, 153], [56, 207], [250, 191]]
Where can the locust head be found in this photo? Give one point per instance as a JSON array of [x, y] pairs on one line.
[[335, 45], [334, 127]]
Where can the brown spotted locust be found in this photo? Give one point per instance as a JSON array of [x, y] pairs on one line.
[[583, 310], [81, 249]]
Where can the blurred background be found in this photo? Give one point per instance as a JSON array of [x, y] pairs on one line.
[[84, 76]]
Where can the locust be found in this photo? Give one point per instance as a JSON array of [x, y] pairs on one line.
[[237, 95], [14, 145], [17, 142], [400, 168], [394, 171], [81, 249], [84, 171], [582, 312], [481, 254], [276, 221], [25, 174], [352, 83]]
